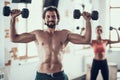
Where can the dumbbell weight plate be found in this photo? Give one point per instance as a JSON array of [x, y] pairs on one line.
[[111, 28], [25, 13], [76, 14], [94, 15], [119, 28], [6, 11]]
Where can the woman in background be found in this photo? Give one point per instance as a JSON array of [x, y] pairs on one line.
[[100, 61]]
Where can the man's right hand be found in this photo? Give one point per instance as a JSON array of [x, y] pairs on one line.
[[86, 16], [15, 13]]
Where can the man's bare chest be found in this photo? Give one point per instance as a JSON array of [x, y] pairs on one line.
[[53, 41]]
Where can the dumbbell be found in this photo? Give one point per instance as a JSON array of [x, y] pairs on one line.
[[77, 14], [7, 11], [111, 28], [119, 28]]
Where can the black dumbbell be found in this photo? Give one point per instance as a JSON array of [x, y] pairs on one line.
[[111, 28], [7, 11], [119, 28], [77, 14]]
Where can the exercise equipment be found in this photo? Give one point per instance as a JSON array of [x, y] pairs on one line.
[[21, 1], [24, 12], [119, 28], [7, 11], [77, 14], [111, 28]]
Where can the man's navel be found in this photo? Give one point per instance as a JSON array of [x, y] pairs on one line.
[[42, 43]]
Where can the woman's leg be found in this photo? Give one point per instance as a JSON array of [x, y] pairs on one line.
[[105, 70], [94, 70]]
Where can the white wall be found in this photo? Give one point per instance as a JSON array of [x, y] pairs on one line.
[[13, 71], [2, 60], [25, 70], [102, 6], [113, 56]]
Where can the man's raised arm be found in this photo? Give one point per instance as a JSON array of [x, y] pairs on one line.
[[19, 38], [86, 38]]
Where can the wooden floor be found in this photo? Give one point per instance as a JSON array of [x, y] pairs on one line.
[[83, 77]]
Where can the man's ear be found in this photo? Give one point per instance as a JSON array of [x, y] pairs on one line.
[[57, 22], [44, 22]]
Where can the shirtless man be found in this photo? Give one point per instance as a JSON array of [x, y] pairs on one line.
[[50, 42]]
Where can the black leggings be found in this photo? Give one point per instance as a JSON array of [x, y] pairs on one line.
[[99, 65]]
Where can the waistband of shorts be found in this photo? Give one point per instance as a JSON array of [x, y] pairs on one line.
[[99, 60], [52, 74]]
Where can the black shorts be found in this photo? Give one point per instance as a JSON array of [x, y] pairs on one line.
[[53, 76]]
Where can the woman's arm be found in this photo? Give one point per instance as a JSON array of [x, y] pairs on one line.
[[111, 42]]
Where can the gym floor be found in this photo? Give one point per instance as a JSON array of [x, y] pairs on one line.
[[118, 75], [83, 77]]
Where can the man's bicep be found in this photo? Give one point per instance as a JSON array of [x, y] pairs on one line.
[[25, 38], [75, 38]]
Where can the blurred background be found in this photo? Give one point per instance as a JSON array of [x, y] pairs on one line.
[[19, 61]]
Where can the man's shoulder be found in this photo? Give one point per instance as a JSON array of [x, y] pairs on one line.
[[65, 30], [37, 31]]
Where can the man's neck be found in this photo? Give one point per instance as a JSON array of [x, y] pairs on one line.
[[51, 30]]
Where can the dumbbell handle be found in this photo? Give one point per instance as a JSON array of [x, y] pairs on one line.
[[15, 10], [93, 15], [19, 10]]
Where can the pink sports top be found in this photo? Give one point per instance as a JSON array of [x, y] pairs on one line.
[[99, 48]]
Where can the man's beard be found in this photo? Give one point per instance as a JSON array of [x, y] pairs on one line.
[[50, 25]]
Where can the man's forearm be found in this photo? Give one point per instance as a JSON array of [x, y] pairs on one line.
[[12, 29], [118, 36], [88, 31]]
